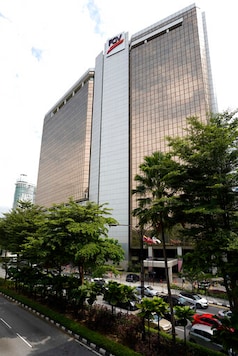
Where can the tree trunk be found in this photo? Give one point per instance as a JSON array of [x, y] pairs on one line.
[[167, 280]]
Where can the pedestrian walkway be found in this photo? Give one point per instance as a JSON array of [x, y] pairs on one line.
[[161, 287]]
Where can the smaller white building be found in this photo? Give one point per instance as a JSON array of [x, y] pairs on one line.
[[24, 191]]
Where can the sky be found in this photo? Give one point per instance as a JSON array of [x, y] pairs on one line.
[[47, 45]]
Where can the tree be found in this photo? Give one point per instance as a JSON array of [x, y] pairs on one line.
[[16, 227], [228, 333], [19, 224], [155, 196], [184, 314], [208, 179], [116, 293], [149, 307], [193, 272], [77, 234]]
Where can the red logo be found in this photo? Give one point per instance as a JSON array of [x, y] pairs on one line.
[[114, 42]]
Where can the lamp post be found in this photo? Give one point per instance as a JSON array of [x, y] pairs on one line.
[[167, 278], [140, 232], [142, 269]]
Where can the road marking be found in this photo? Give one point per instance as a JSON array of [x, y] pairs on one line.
[[6, 323], [22, 338]]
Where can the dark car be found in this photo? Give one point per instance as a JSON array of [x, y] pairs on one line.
[[132, 277], [178, 322], [129, 305], [177, 300], [100, 283]]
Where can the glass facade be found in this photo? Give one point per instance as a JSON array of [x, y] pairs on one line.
[[65, 148], [97, 135], [170, 80], [24, 191]]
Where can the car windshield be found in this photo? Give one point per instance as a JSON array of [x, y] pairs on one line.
[[182, 300], [196, 297]]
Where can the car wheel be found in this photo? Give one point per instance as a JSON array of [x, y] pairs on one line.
[[198, 305]]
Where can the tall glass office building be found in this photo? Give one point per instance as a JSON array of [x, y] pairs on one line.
[[141, 91], [24, 191], [65, 147]]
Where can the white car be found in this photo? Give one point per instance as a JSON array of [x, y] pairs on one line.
[[148, 291], [203, 335], [196, 299], [224, 313]]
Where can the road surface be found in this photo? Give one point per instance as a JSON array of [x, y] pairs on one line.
[[23, 333]]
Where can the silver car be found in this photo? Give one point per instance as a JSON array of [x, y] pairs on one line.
[[148, 291], [196, 299], [203, 335]]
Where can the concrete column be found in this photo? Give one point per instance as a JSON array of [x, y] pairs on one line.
[[170, 274], [150, 252]]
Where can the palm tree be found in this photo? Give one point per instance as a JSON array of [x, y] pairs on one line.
[[150, 306], [184, 314], [112, 294], [160, 308], [147, 309], [118, 293], [155, 199]]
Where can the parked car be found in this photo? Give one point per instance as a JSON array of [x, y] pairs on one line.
[[206, 319], [178, 322], [178, 300], [210, 320], [132, 277], [99, 282], [129, 305], [194, 298], [164, 324], [148, 291], [224, 313], [204, 335], [203, 285]]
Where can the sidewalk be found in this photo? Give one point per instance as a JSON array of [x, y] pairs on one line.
[[161, 287]]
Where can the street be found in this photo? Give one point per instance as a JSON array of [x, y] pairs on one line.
[[23, 334]]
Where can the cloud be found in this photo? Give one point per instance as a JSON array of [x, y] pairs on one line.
[[94, 14], [4, 17], [37, 53]]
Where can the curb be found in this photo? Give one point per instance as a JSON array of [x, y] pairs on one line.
[[84, 342], [219, 304]]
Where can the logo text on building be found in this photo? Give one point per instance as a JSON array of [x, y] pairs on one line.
[[115, 42]]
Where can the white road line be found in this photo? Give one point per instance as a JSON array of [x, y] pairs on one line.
[[6, 323], [22, 338]]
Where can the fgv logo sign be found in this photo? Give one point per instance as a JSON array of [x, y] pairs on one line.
[[115, 44]]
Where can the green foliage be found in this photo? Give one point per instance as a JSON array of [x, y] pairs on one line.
[[150, 306], [207, 195], [19, 224], [195, 185], [76, 328], [229, 332], [184, 313], [153, 190], [65, 233], [126, 327], [118, 293]]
